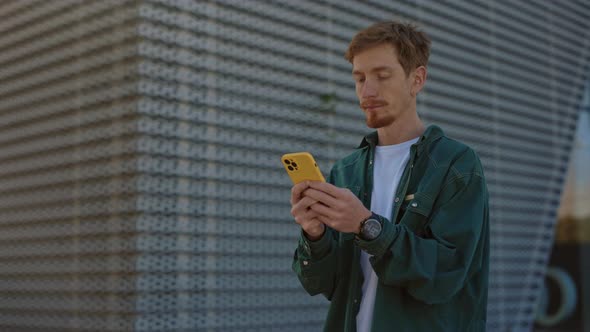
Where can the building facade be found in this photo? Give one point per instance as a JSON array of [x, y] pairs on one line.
[[141, 187]]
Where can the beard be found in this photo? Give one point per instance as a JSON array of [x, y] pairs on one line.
[[375, 120]]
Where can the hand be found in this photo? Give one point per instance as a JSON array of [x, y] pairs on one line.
[[304, 216], [336, 207]]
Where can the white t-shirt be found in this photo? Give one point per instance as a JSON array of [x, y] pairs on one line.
[[389, 164]]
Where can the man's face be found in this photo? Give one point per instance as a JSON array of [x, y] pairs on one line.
[[384, 92]]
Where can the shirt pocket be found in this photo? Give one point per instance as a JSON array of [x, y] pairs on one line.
[[415, 212]]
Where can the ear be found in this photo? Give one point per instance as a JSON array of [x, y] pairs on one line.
[[420, 74]]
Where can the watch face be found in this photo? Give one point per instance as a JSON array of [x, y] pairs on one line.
[[371, 229]]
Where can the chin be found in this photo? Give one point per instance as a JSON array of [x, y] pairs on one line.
[[378, 123], [372, 125]]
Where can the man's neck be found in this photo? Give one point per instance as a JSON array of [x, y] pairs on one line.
[[401, 131]]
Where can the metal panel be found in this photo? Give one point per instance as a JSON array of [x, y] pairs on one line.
[[67, 165], [140, 181]]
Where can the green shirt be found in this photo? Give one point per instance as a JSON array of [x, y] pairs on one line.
[[431, 257]]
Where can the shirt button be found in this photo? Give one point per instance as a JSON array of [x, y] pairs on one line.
[[306, 263], [397, 199], [414, 204]]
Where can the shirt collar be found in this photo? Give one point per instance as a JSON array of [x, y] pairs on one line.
[[432, 133]]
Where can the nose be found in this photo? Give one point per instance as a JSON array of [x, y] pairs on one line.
[[368, 89]]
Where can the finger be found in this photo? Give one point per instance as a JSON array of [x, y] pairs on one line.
[[325, 220], [296, 191], [307, 218], [301, 207], [307, 202], [311, 216], [320, 196], [328, 188], [324, 210]]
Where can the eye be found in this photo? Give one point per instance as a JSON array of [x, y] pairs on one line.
[[359, 79]]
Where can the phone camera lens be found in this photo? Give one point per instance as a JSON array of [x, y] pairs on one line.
[[294, 165], [290, 168], [287, 161]]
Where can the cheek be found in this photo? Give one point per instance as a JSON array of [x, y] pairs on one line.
[[397, 91], [408, 86]]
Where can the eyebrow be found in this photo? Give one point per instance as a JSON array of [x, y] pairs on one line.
[[376, 69]]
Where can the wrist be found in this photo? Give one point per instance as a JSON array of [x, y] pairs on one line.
[[370, 228], [367, 215], [315, 233]]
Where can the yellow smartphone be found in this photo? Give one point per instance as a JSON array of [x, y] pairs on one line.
[[301, 166]]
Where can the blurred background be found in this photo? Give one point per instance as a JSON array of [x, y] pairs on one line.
[[141, 187]]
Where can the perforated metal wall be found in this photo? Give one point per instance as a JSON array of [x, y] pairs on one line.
[[140, 181], [68, 165]]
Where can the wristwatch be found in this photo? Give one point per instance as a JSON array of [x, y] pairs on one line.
[[370, 228]]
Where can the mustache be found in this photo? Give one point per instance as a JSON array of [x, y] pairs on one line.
[[373, 103]]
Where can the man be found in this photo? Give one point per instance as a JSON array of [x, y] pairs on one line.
[[398, 239]]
